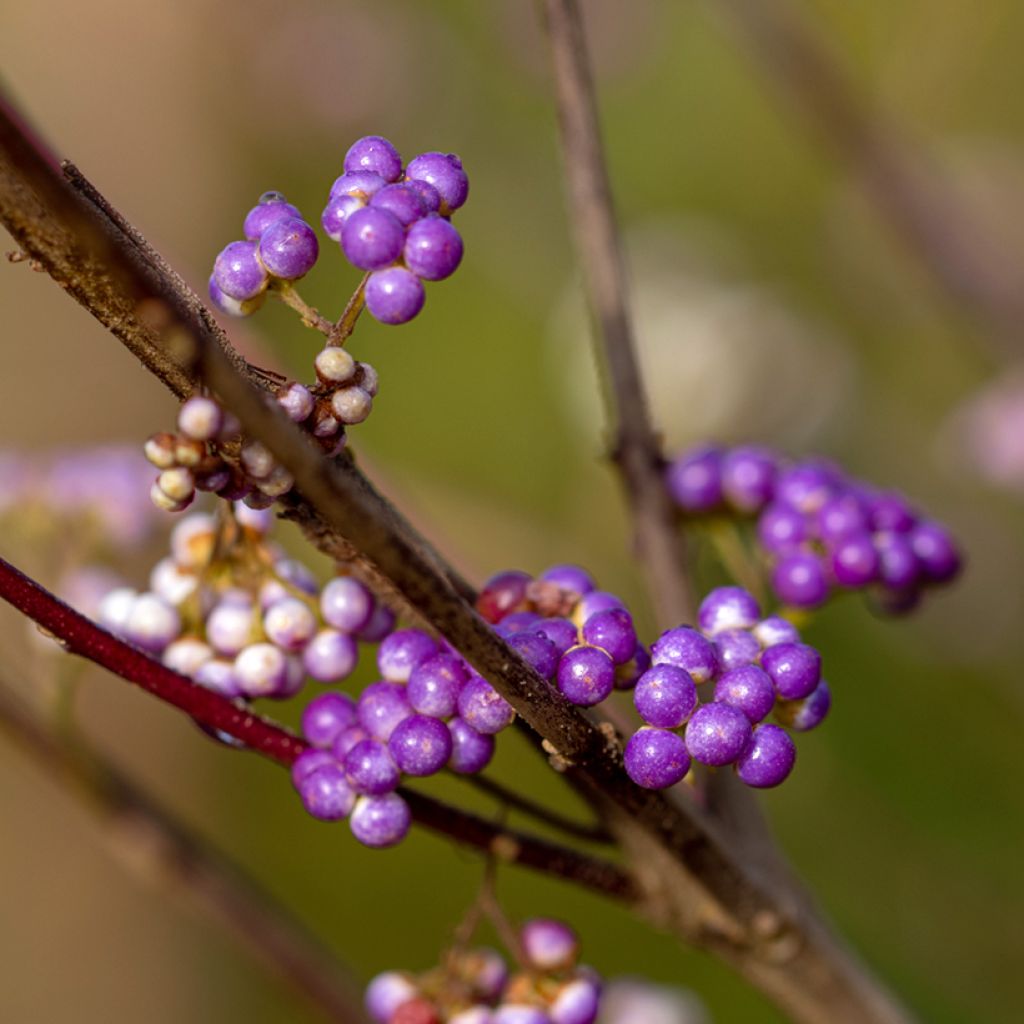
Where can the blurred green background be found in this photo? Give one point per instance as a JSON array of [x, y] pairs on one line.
[[772, 303]]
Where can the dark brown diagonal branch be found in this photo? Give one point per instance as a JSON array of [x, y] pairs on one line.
[[161, 849], [635, 447]]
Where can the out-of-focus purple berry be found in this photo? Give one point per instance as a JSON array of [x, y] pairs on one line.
[[936, 551], [842, 516], [775, 630], [854, 560], [748, 688], [218, 675], [421, 745], [781, 529], [799, 580], [727, 608], [519, 1013], [570, 577], [694, 480], [381, 707], [230, 306], [346, 604], [346, 740], [394, 295], [656, 758], [537, 651], [737, 647], [519, 622], [289, 623], [890, 511], [717, 734], [376, 154], [325, 716], [402, 201], [371, 769], [296, 401], [200, 418], [898, 566], [665, 696], [338, 210], [326, 793], [593, 602], [229, 626], [549, 945], [288, 248], [186, 655], [433, 248], [402, 651], [358, 183], [689, 650], [309, 760], [483, 707], [795, 669], [748, 477], [386, 993], [576, 1002], [471, 750], [586, 675], [372, 238], [806, 714], [151, 623], [382, 622], [270, 207], [611, 630], [806, 486], [380, 821], [768, 758], [261, 670], [238, 273], [330, 656], [443, 171]]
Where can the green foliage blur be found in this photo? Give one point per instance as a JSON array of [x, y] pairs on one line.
[[774, 305]]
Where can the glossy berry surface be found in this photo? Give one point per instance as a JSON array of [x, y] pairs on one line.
[[445, 173], [375, 154], [394, 295], [372, 238], [656, 758], [768, 758], [288, 248], [717, 734], [433, 248]]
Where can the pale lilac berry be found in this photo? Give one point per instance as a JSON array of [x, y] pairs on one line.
[[151, 623], [380, 821], [186, 655], [433, 248], [330, 656], [230, 306], [402, 651], [570, 577], [768, 758], [296, 401], [394, 295], [346, 604], [290, 623], [549, 945], [386, 993], [576, 1002], [309, 760], [334, 365], [218, 675], [261, 670], [200, 418], [338, 209], [351, 405]]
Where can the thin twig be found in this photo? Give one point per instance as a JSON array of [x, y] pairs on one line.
[[159, 848], [310, 315], [346, 324], [635, 447], [79, 635]]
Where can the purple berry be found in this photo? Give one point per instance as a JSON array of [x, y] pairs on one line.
[[371, 769], [338, 209], [330, 656], [372, 238], [421, 745], [768, 758], [628, 673], [748, 478], [272, 206], [381, 707], [363, 184], [748, 688], [775, 630], [537, 651], [380, 821], [781, 529], [549, 945], [717, 734], [898, 566], [806, 714], [737, 647], [795, 669], [656, 758], [434, 685], [727, 608], [595, 601], [325, 716], [471, 750], [326, 793], [309, 760], [806, 486], [586, 675], [569, 577], [429, 195], [403, 202], [576, 1002], [238, 273], [518, 622], [376, 154], [665, 696], [443, 171], [842, 516], [402, 651], [219, 676], [289, 623], [936, 552], [386, 993], [230, 306], [890, 511], [502, 594], [394, 296], [799, 580], [611, 630], [483, 707], [346, 740], [695, 480], [433, 248], [382, 622], [288, 248], [854, 560], [689, 650], [261, 670], [346, 604], [561, 632]]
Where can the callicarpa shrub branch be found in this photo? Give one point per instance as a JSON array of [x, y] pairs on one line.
[[691, 879]]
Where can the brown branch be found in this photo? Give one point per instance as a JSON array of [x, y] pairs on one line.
[[79, 635], [159, 848], [635, 447], [931, 216], [692, 879]]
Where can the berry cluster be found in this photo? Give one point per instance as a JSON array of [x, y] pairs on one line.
[[395, 223], [279, 246], [476, 987], [818, 528], [758, 667], [578, 637], [229, 610]]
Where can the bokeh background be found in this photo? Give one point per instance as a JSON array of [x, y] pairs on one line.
[[773, 304]]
